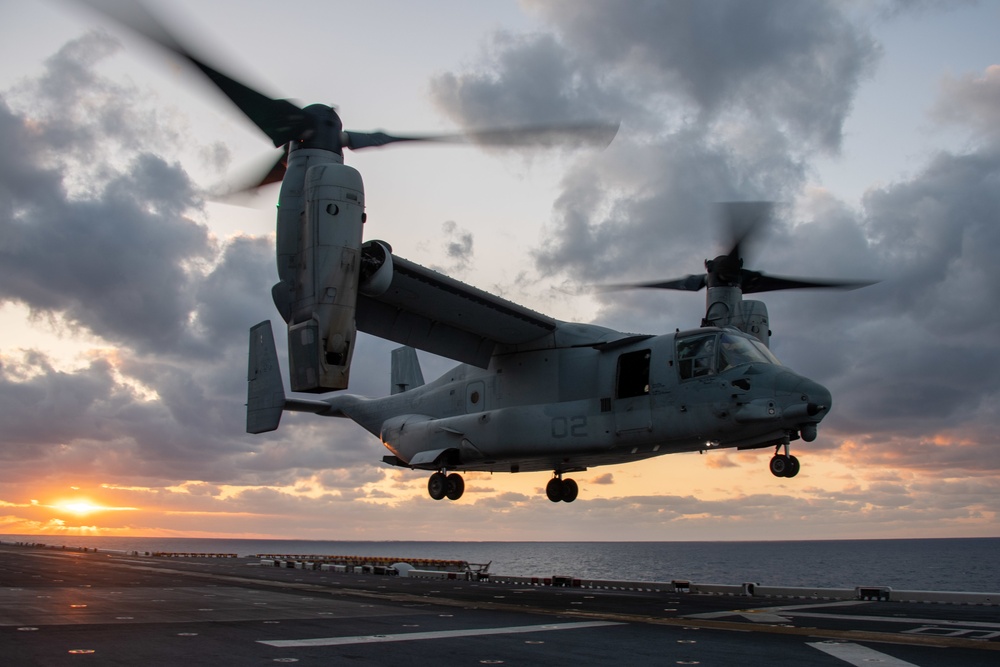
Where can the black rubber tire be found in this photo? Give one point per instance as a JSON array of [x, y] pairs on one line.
[[454, 486], [437, 486], [780, 465], [793, 467], [570, 490], [554, 490]]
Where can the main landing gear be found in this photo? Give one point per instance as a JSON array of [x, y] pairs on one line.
[[558, 489], [441, 485], [784, 465]]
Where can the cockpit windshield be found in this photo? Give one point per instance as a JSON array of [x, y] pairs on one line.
[[708, 353]]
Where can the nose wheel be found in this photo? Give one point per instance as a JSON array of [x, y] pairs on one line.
[[559, 489], [442, 485], [784, 465]]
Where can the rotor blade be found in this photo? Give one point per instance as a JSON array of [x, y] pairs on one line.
[[280, 120], [743, 220], [597, 133], [239, 186], [690, 283], [754, 282]]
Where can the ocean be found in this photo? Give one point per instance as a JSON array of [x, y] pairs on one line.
[[967, 564]]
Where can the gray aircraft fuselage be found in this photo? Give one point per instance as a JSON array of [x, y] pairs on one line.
[[569, 407]]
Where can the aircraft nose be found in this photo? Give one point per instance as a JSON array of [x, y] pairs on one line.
[[804, 401], [816, 394]]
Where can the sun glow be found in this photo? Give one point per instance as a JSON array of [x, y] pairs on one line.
[[83, 507]]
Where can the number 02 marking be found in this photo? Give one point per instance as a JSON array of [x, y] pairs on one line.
[[569, 426]]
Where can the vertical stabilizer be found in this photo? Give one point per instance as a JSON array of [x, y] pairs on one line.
[[406, 373], [265, 392]]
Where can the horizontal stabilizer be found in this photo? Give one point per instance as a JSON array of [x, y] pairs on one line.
[[265, 392]]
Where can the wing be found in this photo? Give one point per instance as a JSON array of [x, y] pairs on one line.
[[430, 311]]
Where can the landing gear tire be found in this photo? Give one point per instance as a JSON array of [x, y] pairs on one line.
[[569, 490], [437, 485], [554, 489], [784, 465], [778, 465], [564, 490], [793, 467], [454, 486]]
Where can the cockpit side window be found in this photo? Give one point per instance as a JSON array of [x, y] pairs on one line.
[[696, 355], [737, 350], [704, 354]]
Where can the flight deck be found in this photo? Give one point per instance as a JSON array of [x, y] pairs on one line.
[[68, 607]]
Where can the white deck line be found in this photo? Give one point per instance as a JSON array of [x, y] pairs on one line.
[[442, 634], [858, 655]]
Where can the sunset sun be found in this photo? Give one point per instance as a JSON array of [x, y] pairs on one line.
[[78, 507], [84, 507]]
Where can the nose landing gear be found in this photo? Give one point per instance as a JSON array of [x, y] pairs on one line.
[[442, 485], [559, 489], [784, 465]]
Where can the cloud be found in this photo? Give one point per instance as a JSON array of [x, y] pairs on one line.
[[972, 101], [719, 102], [525, 79], [798, 64], [458, 248], [115, 256]]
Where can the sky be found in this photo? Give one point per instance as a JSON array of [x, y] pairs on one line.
[[126, 293]]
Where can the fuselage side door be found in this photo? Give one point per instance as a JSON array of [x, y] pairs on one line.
[[631, 406]]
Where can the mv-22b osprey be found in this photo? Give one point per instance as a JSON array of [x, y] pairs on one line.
[[531, 393]]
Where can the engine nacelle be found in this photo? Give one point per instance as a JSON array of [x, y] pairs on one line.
[[726, 308], [755, 321], [319, 258], [376, 268]]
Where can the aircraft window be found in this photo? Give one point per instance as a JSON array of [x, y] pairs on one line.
[[696, 355], [737, 350], [763, 349], [633, 374]]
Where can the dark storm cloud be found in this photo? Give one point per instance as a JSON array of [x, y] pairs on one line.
[[111, 255], [229, 298], [642, 208], [928, 347], [43, 408], [719, 101], [797, 63], [530, 79], [114, 264]]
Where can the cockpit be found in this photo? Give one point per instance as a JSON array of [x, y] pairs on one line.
[[706, 353]]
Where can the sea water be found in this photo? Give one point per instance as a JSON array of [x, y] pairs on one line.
[[967, 564]]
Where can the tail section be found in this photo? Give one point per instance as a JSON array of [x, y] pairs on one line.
[[406, 373], [265, 392]]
